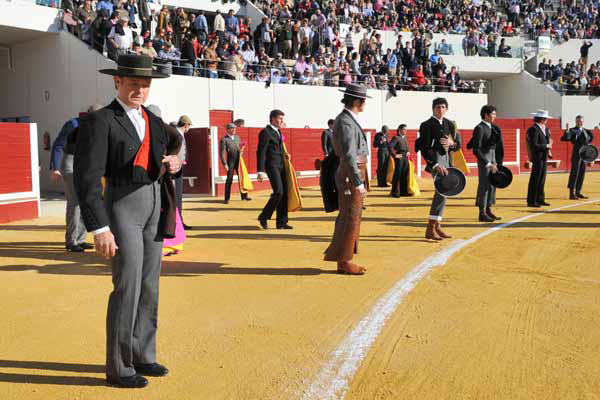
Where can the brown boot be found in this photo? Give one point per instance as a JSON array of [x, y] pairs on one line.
[[438, 229], [430, 233], [348, 268], [489, 212]]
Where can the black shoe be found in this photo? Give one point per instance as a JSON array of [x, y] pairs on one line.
[[225, 201], [134, 381], [395, 195], [284, 226], [364, 207], [543, 203], [572, 196], [247, 198], [536, 205], [75, 248], [86, 246], [187, 227], [483, 217], [581, 195], [263, 223], [154, 369]]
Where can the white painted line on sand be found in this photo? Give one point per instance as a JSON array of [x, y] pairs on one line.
[[333, 380]]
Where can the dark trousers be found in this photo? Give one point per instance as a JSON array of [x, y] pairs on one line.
[[577, 174], [232, 166], [382, 166], [537, 180], [179, 195], [400, 180], [278, 200]]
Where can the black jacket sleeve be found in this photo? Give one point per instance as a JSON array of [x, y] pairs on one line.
[[89, 167], [261, 150]]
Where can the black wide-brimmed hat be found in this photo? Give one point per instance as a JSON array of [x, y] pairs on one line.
[[451, 184], [588, 153], [354, 90], [501, 179], [135, 66]]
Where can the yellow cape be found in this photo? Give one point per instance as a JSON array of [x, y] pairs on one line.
[[293, 191], [390, 170], [244, 178], [460, 162], [413, 185]]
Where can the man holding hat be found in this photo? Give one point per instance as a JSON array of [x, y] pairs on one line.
[[134, 150], [484, 144], [539, 145], [351, 146], [579, 137], [229, 153], [438, 138], [183, 126]]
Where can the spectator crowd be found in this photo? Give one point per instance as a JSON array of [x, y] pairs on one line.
[[309, 42]]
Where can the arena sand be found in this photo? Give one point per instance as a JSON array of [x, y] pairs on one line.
[[252, 314]]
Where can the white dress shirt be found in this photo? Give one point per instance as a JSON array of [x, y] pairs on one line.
[[136, 117]]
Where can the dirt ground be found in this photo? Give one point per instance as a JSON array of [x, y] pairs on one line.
[[252, 314]]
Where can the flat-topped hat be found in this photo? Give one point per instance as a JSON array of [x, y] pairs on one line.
[[501, 179], [354, 90], [451, 184], [588, 153], [541, 114], [134, 66]]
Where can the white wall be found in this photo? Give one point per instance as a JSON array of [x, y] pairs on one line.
[[580, 105], [473, 66], [24, 15], [569, 51], [519, 95]]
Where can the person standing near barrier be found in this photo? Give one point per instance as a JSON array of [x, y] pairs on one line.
[[269, 157], [229, 154], [61, 167], [578, 136], [327, 139], [484, 142], [183, 126], [437, 139], [539, 145], [381, 142], [351, 146], [400, 153], [137, 154]]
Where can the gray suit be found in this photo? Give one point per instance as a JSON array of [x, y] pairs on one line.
[[350, 145], [484, 148]]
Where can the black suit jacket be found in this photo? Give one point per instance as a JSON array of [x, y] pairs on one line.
[[577, 140], [385, 146], [107, 144], [269, 154], [537, 142], [484, 140], [431, 131], [399, 145], [327, 142]]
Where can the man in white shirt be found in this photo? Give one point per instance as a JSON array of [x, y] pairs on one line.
[[183, 126], [120, 38]]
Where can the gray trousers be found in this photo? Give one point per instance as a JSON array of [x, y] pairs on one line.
[[438, 203], [486, 192], [76, 232], [132, 317]]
